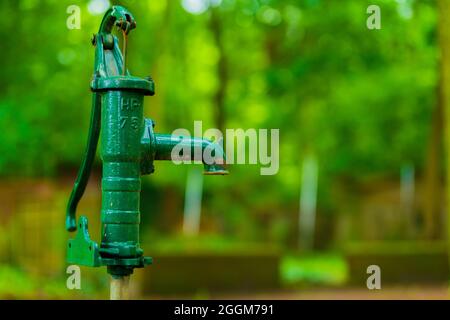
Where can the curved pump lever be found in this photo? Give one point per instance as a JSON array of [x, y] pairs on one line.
[[105, 41], [86, 164]]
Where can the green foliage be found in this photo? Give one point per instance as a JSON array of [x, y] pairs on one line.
[[324, 269], [310, 68], [360, 100]]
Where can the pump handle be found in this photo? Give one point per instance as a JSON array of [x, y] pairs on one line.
[[120, 17]]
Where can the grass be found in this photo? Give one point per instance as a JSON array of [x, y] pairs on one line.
[[16, 283], [327, 269]]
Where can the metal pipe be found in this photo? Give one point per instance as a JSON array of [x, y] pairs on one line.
[[198, 150], [119, 288]]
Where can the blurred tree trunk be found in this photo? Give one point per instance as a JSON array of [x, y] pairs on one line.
[[222, 72], [444, 40], [163, 48], [433, 194]]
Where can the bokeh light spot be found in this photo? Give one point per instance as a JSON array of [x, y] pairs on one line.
[[97, 7], [195, 6]]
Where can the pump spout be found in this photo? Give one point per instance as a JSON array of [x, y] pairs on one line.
[[179, 148], [156, 146]]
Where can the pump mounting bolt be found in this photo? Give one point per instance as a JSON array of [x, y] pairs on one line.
[[94, 39]]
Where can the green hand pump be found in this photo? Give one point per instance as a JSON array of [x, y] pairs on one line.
[[129, 147]]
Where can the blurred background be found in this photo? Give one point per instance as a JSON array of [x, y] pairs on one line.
[[362, 119]]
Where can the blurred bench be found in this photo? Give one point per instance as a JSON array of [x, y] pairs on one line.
[[400, 262], [208, 272]]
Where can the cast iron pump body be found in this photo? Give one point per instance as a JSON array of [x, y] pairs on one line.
[[129, 147]]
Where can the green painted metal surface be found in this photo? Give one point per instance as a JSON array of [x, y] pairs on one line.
[[128, 149]]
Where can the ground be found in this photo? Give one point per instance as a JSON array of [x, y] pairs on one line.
[[389, 293]]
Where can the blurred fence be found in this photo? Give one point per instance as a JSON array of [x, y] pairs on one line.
[[33, 235]]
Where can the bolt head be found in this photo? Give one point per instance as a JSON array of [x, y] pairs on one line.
[[94, 39]]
